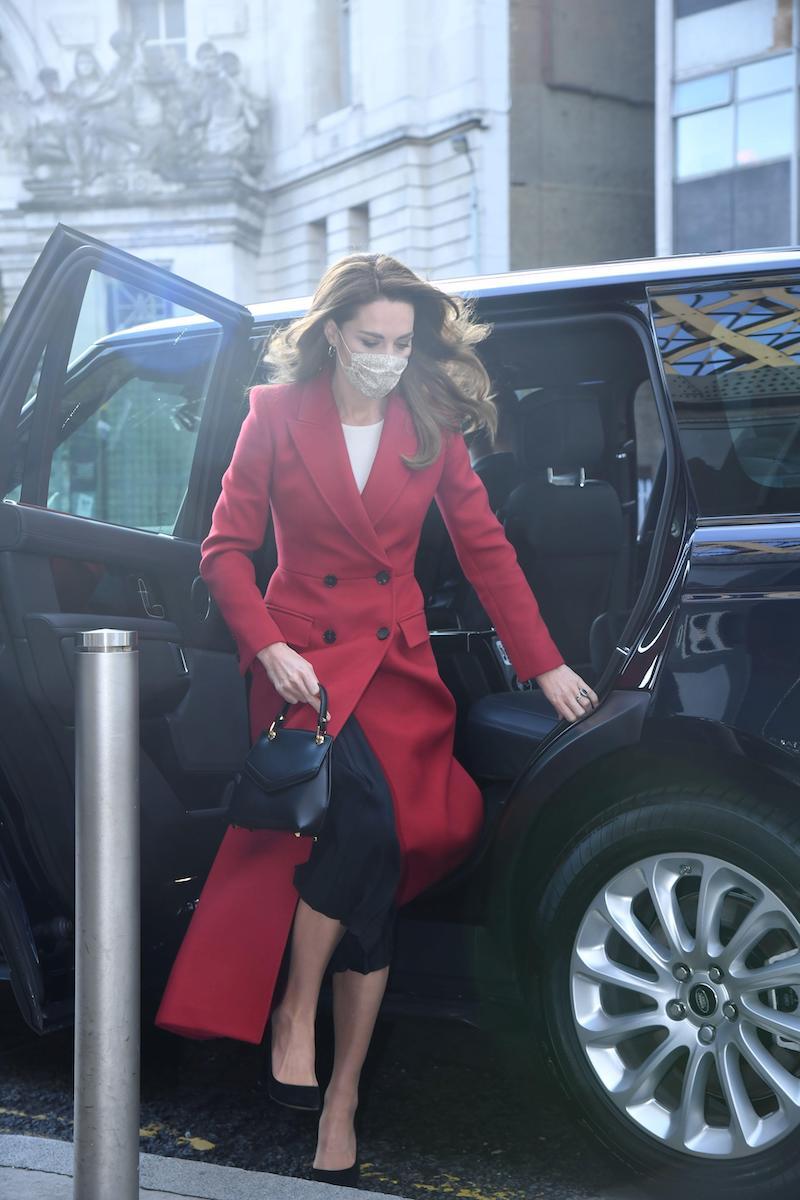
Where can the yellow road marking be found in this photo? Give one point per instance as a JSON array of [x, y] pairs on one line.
[[145, 1131], [452, 1186]]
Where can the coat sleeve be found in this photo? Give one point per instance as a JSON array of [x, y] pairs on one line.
[[238, 526], [490, 563]]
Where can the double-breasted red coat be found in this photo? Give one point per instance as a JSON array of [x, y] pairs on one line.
[[343, 595]]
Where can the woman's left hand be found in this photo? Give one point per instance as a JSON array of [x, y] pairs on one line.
[[569, 695]]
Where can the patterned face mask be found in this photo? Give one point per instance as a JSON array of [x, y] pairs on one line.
[[374, 375]]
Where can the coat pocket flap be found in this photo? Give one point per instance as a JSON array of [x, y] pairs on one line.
[[295, 627], [414, 627]]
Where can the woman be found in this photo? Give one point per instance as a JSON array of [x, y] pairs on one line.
[[362, 430]]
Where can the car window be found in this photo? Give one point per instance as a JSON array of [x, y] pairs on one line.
[[732, 364], [128, 409], [649, 448]]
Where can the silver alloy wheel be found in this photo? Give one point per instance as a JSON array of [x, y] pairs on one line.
[[685, 981]]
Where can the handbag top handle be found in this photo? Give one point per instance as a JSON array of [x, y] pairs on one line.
[[322, 720]]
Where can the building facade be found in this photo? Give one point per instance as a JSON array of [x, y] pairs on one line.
[[581, 131], [247, 144], [726, 124]]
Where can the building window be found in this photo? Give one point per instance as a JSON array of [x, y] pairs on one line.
[[708, 33], [317, 251], [359, 228], [160, 23], [734, 118], [331, 57], [344, 33]]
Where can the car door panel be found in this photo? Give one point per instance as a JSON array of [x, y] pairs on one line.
[[107, 422]]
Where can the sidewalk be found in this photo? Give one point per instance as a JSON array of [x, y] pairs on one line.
[[33, 1168]]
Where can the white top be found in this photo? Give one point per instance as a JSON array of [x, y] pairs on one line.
[[362, 446]]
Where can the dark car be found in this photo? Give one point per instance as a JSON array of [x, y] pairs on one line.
[[634, 899]]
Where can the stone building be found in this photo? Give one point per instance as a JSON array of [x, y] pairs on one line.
[[247, 143]]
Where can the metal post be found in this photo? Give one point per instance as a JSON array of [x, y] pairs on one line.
[[107, 888]]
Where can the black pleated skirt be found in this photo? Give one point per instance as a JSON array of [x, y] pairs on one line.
[[353, 871]]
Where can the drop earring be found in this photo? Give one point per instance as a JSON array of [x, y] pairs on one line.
[[331, 349]]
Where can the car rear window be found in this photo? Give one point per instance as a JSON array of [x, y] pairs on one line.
[[731, 358]]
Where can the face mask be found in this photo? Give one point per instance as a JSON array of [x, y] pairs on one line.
[[374, 375]]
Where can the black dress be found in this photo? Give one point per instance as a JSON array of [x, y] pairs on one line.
[[353, 871]]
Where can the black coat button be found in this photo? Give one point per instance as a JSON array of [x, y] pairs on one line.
[[382, 577], [329, 635], [330, 581], [383, 632]]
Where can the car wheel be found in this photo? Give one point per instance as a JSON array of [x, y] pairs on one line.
[[669, 982]]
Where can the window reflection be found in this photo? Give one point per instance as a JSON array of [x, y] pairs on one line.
[[764, 129], [762, 78], [735, 118], [707, 92], [705, 142], [732, 363]]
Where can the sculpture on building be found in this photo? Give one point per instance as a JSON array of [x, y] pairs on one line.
[[151, 123], [13, 109], [52, 142]]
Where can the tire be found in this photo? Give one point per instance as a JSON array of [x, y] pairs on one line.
[[702, 1094]]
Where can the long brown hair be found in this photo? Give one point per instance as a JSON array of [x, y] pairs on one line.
[[445, 383]]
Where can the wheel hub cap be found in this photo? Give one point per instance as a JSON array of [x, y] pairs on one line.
[[685, 982]]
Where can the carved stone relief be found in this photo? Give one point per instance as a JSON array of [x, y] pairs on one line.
[[150, 124]]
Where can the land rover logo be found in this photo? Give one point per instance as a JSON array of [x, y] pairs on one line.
[[702, 1000]]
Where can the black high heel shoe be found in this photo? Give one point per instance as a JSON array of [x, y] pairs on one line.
[[346, 1177], [303, 1096]]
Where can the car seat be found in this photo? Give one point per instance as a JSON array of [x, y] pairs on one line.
[[566, 527]]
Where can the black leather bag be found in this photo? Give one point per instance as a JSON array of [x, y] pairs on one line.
[[285, 781]]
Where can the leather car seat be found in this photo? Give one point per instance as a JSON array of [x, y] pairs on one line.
[[566, 527]]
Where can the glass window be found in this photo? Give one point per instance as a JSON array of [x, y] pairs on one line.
[[345, 18], [127, 459], [159, 24], [705, 142], [761, 78], [128, 409], [331, 56], [764, 128], [174, 19], [732, 363], [649, 448], [754, 125], [728, 32], [707, 92]]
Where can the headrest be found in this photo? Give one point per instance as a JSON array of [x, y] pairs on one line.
[[561, 429]]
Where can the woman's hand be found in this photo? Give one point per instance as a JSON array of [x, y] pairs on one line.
[[291, 675], [569, 695]]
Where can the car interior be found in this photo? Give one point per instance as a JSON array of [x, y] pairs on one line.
[[578, 503]]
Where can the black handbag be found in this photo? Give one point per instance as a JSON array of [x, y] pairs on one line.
[[285, 780]]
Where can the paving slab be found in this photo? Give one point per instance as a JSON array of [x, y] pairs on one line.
[[33, 1168]]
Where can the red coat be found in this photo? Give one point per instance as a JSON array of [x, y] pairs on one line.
[[346, 565]]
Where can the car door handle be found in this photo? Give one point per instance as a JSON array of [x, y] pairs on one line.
[[152, 609]]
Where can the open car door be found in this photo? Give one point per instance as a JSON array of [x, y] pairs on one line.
[[121, 386]]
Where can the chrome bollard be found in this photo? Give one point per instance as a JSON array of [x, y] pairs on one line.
[[107, 889]]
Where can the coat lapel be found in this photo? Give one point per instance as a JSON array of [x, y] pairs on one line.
[[317, 433]]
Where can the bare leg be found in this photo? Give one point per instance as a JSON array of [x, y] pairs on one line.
[[314, 938], [356, 1002]]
